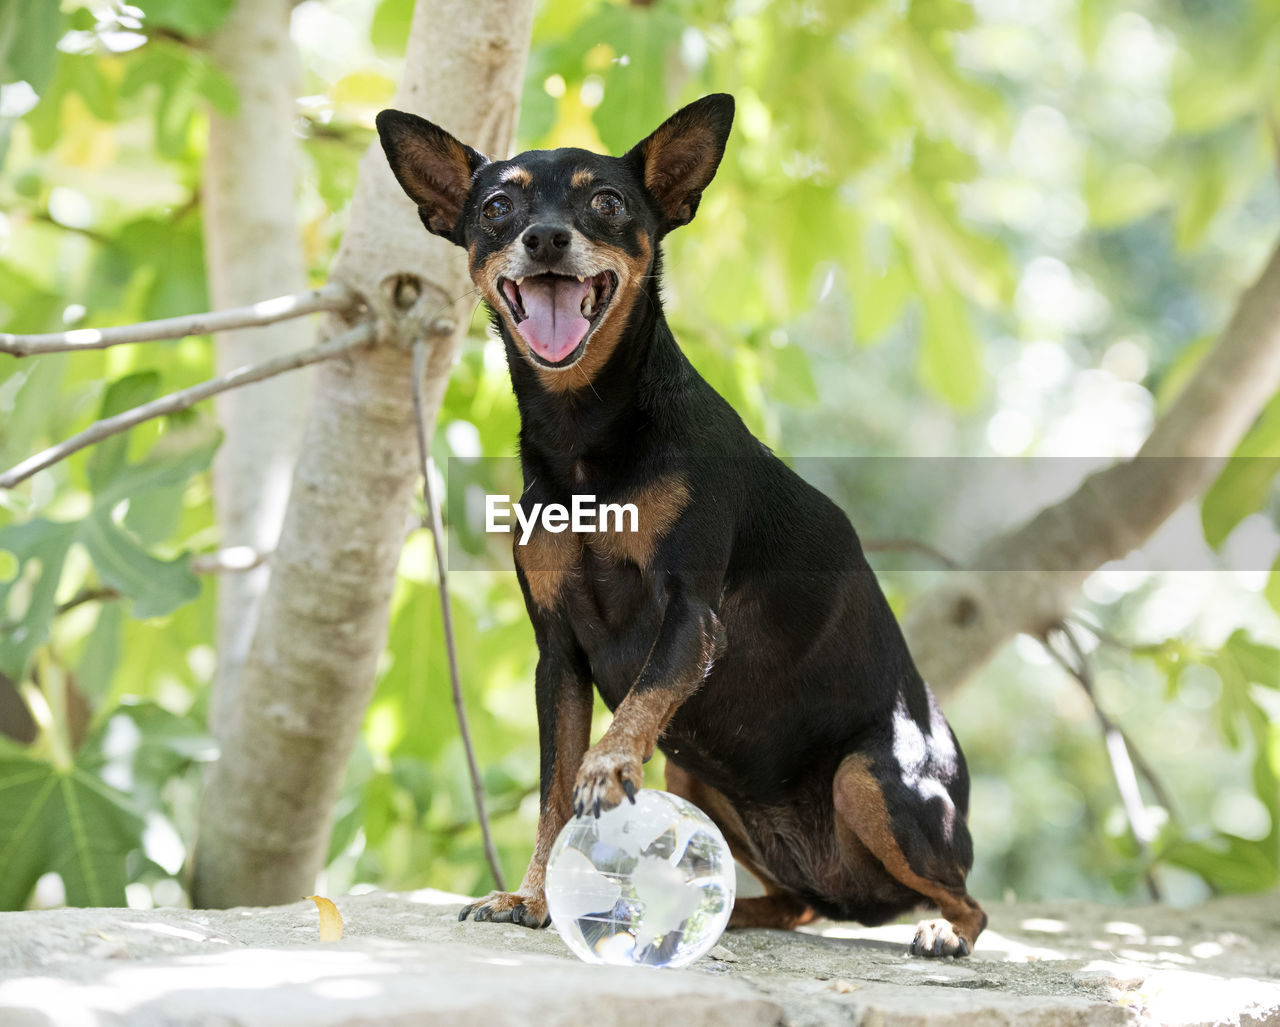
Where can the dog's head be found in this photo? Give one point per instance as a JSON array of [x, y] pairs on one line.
[[560, 241]]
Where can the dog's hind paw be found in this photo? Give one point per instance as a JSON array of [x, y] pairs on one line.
[[937, 938], [502, 907]]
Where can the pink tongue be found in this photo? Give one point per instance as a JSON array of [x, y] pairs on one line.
[[555, 324]]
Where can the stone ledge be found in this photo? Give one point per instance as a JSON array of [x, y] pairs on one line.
[[404, 959]]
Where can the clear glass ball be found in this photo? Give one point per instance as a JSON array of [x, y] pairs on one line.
[[649, 884]]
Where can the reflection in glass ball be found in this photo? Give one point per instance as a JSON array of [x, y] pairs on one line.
[[644, 885]]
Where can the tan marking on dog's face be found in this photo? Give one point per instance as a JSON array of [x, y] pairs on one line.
[[590, 258], [632, 272], [516, 175], [548, 560], [659, 505], [581, 179]]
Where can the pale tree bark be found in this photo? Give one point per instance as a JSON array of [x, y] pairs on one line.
[[265, 815], [253, 250], [1028, 579]]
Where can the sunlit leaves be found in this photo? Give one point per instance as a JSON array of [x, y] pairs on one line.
[[643, 37], [182, 81], [120, 561]]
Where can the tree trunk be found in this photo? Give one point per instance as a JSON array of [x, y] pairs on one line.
[[253, 251], [265, 815], [1028, 579]]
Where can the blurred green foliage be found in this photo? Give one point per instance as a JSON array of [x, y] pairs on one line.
[[941, 227]]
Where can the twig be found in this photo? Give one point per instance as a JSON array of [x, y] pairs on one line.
[[436, 527], [361, 335], [231, 560], [88, 595], [1120, 751], [264, 312], [909, 545]]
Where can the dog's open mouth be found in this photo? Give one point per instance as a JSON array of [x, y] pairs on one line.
[[555, 313]]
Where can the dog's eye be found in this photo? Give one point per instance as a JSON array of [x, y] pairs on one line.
[[497, 208], [607, 203]]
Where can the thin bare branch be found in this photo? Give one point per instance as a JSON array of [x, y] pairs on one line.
[[909, 545], [231, 560], [436, 526], [361, 335], [88, 595], [1121, 752], [328, 297]]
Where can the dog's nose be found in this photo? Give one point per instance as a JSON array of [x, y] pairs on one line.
[[546, 241]]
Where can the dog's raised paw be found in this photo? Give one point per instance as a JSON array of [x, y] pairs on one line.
[[606, 780], [936, 938], [503, 907]]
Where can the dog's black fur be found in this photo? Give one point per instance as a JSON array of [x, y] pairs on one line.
[[740, 629]]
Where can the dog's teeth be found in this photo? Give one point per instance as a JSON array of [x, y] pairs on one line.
[[581, 279], [519, 282]]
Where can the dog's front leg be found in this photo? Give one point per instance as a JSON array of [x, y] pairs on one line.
[[679, 661], [562, 687]]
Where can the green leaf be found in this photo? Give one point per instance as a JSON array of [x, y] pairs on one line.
[[1200, 200], [108, 456], [156, 586], [184, 17], [1257, 663], [1120, 194], [40, 548], [789, 378], [389, 29], [634, 101], [101, 652], [67, 821], [940, 15], [1273, 586], [879, 297], [1231, 864], [1245, 483], [950, 357], [29, 32]]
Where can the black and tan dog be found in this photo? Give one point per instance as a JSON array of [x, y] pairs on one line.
[[740, 628]]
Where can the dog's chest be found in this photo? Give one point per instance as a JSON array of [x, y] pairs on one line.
[[613, 604]]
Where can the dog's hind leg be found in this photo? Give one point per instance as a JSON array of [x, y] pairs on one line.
[[778, 907], [914, 829]]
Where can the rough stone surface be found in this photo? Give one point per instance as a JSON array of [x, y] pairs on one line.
[[405, 959]]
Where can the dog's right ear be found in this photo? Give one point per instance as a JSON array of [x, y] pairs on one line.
[[433, 167]]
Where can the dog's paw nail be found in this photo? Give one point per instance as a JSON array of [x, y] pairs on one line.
[[465, 912], [597, 809], [630, 789], [483, 914]]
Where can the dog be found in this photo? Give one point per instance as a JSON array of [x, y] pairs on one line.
[[739, 628]]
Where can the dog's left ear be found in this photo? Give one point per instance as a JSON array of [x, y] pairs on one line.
[[680, 158], [433, 167]]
